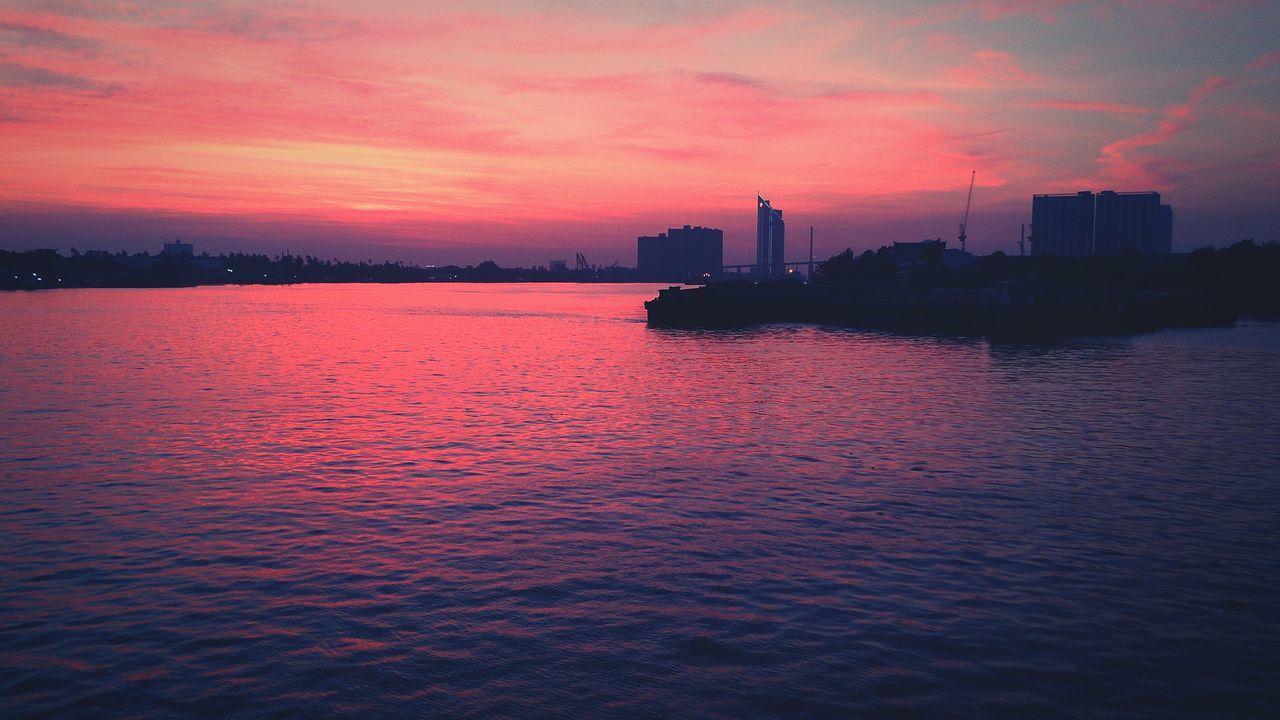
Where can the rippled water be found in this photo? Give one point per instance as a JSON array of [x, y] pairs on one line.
[[520, 501]]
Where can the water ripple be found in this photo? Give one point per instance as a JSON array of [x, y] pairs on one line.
[[402, 501]]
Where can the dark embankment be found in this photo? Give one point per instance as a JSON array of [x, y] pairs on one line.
[[997, 295]]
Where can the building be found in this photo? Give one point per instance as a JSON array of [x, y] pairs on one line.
[[771, 236], [680, 254], [1062, 224], [912, 255], [211, 268], [1108, 223], [177, 248], [557, 266], [928, 254], [1124, 222]]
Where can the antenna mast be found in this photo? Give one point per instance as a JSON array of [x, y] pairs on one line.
[[810, 276], [964, 222]]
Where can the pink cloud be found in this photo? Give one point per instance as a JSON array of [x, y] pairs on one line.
[[1265, 60], [1087, 106], [1123, 160], [988, 69], [1046, 11]]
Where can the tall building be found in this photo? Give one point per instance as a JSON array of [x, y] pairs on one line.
[[1062, 224], [771, 236], [1108, 223], [1125, 222], [680, 254]]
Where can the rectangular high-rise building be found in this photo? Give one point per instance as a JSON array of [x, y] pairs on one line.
[[1108, 223], [1126, 222], [1062, 225], [681, 254], [771, 236]]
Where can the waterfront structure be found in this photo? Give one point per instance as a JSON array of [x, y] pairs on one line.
[[211, 268], [179, 249], [771, 235], [1125, 222], [1062, 224], [1106, 223], [679, 254], [911, 255]]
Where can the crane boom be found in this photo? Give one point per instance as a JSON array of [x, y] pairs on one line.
[[964, 222]]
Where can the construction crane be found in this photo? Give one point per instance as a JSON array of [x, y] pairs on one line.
[[964, 222], [582, 263]]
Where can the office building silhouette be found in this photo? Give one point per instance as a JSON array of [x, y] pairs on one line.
[[771, 235], [1106, 223], [681, 254]]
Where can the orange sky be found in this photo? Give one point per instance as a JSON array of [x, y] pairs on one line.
[[522, 131]]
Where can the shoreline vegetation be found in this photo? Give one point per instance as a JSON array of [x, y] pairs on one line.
[[48, 269], [997, 295]]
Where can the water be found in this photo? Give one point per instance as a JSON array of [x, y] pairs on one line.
[[520, 501]]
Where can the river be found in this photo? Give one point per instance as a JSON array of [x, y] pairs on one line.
[[451, 500]]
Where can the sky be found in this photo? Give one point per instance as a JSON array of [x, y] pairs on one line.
[[456, 132]]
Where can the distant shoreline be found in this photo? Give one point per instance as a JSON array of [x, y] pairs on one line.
[[268, 283], [48, 269]]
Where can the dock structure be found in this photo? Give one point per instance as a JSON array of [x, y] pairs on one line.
[[766, 269]]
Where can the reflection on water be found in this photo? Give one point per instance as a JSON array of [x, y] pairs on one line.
[[521, 501]]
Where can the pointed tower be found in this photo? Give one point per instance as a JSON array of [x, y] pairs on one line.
[[770, 239]]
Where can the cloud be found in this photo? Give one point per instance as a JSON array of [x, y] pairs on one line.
[[1087, 106], [988, 69], [24, 36], [525, 111], [576, 85], [258, 24], [736, 80], [1122, 159], [665, 152], [989, 11], [1046, 11], [253, 21], [1265, 60], [16, 75], [915, 98], [120, 11]]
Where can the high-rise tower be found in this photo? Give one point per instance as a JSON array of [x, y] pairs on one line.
[[1108, 223], [771, 237]]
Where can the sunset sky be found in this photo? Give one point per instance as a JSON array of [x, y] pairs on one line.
[[523, 131]]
